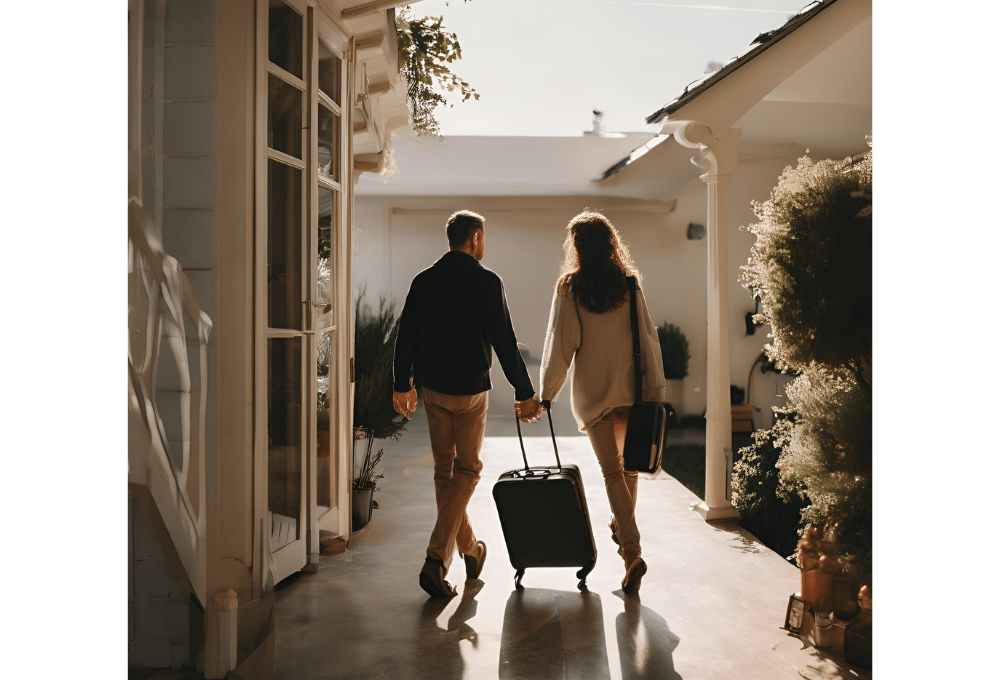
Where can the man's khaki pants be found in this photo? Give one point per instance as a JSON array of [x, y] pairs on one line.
[[457, 424]]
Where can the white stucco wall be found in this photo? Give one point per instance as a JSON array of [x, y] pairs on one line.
[[397, 236]]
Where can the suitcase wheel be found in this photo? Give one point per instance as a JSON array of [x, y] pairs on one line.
[[517, 578]]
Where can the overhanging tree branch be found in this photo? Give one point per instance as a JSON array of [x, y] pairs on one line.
[[425, 52]]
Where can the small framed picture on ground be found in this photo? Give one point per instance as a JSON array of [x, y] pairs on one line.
[[795, 613]]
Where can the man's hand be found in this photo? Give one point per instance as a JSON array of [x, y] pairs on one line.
[[528, 411], [405, 403]]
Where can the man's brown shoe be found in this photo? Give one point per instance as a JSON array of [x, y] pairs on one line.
[[432, 579], [474, 565]]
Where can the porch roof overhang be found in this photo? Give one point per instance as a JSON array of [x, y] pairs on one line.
[[763, 42], [805, 85], [501, 166], [818, 58]]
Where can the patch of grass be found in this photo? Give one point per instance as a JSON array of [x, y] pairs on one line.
[[686, 464]]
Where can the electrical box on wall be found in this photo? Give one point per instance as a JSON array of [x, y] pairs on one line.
[[696, 231]]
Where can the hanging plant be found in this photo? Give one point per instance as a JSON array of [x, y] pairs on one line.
[[425, 52]]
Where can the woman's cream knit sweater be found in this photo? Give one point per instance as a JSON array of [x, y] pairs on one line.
[[599, 348]]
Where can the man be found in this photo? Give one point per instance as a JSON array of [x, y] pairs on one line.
[[454, 313]]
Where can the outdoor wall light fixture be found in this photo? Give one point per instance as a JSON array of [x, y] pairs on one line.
[[751, 324], [766, 366], [696, 231]]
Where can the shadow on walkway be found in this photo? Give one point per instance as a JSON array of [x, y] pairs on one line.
[[438, 654], [645, 643], [432, 652], [549, 634]]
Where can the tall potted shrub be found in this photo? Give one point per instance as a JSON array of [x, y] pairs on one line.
[[811, 265], [374, 416], [676, 355]]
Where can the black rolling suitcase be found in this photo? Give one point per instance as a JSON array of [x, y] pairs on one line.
[[543, 512]]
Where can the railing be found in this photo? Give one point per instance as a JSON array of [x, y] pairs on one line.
[[166, 439]]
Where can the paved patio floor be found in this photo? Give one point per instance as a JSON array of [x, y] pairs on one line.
[[710, 606]]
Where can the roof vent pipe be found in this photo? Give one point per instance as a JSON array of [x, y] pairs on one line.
[[598, 130]]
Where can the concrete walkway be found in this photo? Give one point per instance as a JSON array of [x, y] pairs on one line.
[[710, 606]]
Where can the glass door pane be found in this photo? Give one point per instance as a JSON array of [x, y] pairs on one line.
[[284, 116], [285, 37], [329, 73], [284, 245], [284, 439], [328, 212], [326, 472], [328, 150]]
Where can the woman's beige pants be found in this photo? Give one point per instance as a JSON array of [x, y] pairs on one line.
[[607, 436]]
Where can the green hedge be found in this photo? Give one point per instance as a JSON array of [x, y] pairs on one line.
[[767, 510]]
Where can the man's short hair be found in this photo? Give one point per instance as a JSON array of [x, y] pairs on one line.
[[462, 225]]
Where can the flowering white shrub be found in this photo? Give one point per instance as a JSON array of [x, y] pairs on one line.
[[811, 265]]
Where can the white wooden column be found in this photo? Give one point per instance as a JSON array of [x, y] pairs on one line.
[[719, 420], [716, 157]]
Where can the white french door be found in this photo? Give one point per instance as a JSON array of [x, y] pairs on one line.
[[282, 280], [301, 252], [331, 301]]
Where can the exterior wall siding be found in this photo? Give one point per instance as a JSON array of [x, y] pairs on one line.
[[160, 611], [179, 160]]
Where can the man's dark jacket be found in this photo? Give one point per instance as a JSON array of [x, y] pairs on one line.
[[455, 311]]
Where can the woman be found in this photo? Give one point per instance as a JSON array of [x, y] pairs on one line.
[[590, 329]]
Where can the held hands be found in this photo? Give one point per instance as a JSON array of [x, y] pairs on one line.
[[528, 411], [405, 403]]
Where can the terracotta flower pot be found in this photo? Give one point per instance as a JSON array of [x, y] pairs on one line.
[[817, 587]]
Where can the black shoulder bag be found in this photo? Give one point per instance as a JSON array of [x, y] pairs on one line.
[[647, 421]]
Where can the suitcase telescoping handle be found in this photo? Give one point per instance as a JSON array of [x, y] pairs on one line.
[[548, 409]]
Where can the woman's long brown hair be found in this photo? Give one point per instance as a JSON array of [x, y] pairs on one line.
[[596, 263]]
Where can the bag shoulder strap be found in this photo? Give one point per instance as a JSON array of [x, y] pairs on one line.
[[576, 305], [636, 352]]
